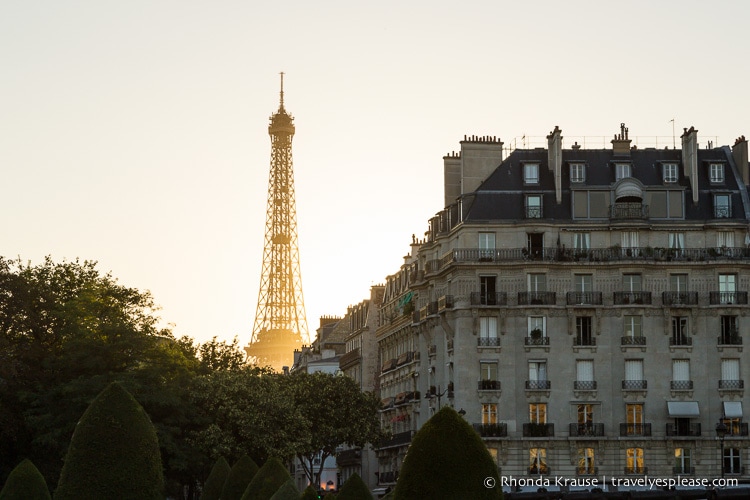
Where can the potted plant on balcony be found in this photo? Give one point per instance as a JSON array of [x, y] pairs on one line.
[[536, 335]]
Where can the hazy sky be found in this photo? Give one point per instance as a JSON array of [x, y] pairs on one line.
[[135, 133]]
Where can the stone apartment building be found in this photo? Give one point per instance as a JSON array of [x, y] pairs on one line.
[[584, 309]]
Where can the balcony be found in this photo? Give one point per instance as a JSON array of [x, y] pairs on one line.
[[634, 385], [679, 298], [737, 429], [731, 385], [584, 340], [636, 470], [488, 385], [628, 211], [488, 299], [388, 477], [533, 212], [538, 430], [349, 457], [727, 298], [584, 385], [536, 298], [536, 341], [398, 439], [491, 430], [488, 342], [432, 350], [635, 430], [445, 302], [637, 340], [627, 298], [681, 385], [538, 385], [586, 430], [388, 365], [584, 298], [680, 341], [732, 338], [689, 430]]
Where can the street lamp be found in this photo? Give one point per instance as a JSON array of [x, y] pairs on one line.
[[721, 432]]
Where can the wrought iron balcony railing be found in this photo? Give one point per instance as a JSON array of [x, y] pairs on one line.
[[398, 439], [628, 211], [492, 430], [488, 299], [731, 384], [538, 385], [732, 338], [681, 385], [586, 430], [680, 340], [488, 341], [538, 430], [584, 385], [690, 430], [635, 429], [626, 298], [715, 298], [536, 298], [633, 340], [634, 385], [584, 340], [488, 385], [584, 298], [679, 298], [536, 341]]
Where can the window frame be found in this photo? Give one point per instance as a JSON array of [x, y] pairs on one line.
[[533, 211], [577, 173], [670, 173], [623, 171], [716, 173], [531, 168]]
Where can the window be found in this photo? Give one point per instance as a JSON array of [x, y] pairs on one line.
[[632, 326], [577, 172], [732, 463], [537, 326], [487, 295], [722, 206], [681, 374], [489, 413], [678, 282], [538, 375], [586, 463], [724, 239], [585, 414], [665, 204], [538, 461], [730, 373], [634, 375], [534, 206], [486, 246], [581, 242], [634, 413], [538, 413], [730, 334], [584, 375], [591, 204], [680, 334], [622, 170], [488, 370], [734, 426], [537, 282], [583, 282], [629, 240], [584, 335], [488, 327], [677, 243], [682, 462], [531, 173], [670, 172], [631, 282], [634, 461], [716, 173], [727, 288]]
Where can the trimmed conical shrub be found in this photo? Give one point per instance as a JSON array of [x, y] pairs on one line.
[[114, 452], [269, 478], [309, 494], [25, 482], [240, 476], [447, 459], [288, 491], [354, 489], [216, 479]]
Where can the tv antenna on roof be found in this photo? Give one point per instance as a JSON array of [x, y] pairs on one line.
[[674, 143]]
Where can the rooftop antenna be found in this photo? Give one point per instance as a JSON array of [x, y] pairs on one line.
[[674, 144]]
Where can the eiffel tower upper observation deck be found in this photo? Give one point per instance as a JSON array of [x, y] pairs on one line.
[[280, 324]]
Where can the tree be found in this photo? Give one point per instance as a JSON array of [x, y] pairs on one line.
[[447, 459], [240, 476], [215, 482], [114, 452], [25, 483], [309, 494], [335, 412], [354, 489], [288, 491], [267, 481]]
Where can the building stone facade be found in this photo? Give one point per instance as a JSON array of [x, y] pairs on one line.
[[586, 310]]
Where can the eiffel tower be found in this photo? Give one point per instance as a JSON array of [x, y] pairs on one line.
[[280, 324]]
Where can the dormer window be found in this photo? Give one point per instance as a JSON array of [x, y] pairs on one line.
[[622, 170], [577, 172], [531, 173], [670, 172], [722, 206], [716, 173]]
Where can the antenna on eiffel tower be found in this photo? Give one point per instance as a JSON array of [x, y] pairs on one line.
[[280, 325]]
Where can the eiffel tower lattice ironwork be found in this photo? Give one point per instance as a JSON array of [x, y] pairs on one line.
[[280, 325]]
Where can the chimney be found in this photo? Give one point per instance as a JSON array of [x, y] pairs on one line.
[[621, 143], [739, 154], [554, 160], [451, 178], [480, 156], [690, 158]]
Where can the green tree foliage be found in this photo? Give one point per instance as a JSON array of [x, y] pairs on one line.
[[447, 459], [240, 476], [267, 481], [215, 482], [288, 491], [309, 494], [354, 489], [114, 452], [335, 412], [25, 483]]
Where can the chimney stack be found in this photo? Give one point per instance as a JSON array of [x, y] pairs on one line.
[[480, 156], [739, 154], [621, 143], [690, 158], [554, 160], [451, 178]]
